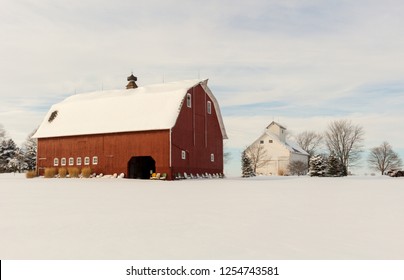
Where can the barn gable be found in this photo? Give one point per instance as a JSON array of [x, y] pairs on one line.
[[154, 107]]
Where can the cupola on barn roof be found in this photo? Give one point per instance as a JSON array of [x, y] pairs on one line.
[[132, 82]]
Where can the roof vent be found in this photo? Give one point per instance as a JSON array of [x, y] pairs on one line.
[[132, 82]]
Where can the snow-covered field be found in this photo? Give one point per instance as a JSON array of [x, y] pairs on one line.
[[233, 218]]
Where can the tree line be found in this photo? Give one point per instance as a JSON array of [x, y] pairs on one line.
[[331, 153], [14, 158]]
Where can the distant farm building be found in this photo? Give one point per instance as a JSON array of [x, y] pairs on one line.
[[167, 128], [273, 152]]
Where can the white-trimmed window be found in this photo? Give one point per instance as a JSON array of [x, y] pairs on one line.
[[87, 161], [55, 162], [183, 154], [95, 160], [212, 157], [209, 107], [270, 141], [261, 141], [71, 161], [78, 161], [63, 162], [189, 100]]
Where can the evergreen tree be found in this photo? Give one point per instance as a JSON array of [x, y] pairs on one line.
[[334, 166], [343, 170], [317, 166], [30, 151], [8, 151], [247, 166], [3, 156], [16, 164], [3, 161]]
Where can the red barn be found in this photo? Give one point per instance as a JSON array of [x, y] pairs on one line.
[[166, 128]]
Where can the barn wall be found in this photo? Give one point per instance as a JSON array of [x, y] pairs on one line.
[[113, 150], [198, 134]]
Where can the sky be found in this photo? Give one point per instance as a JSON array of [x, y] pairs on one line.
[[300, 63]]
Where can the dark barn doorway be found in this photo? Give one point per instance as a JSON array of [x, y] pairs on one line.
[[141, 167]]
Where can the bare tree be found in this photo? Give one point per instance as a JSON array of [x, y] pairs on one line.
[[2, 133], [310, 141], [226, 154], [298, 167], [383, 158], [226, 157], [258, 156], [345, 140]]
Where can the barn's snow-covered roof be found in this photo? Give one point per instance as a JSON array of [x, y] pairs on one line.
[[153, 107]]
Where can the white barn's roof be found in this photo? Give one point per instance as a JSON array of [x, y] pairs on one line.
[[289, 145], [145, 108]]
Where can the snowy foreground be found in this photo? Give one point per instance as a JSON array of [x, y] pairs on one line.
[[233, 218]]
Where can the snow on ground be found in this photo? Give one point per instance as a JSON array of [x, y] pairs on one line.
[[233, 218]]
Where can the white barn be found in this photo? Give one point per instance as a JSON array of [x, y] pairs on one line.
[[276, 151]]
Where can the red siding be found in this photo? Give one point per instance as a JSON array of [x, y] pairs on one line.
[[113, 150], [198, 134]]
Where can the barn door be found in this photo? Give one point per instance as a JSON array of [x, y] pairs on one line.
[[140, 167]]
